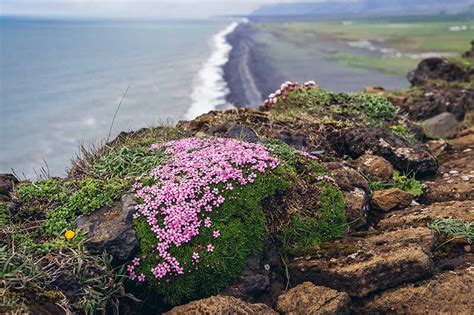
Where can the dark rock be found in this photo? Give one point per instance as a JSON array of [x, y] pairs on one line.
[[295, 139], [7, 181], [237, 131], [255, 284], [221, 305], [111, 229], [470, 53], [437, 69], [389, 199], [68, 283], [443, 125], [434, 99], [402, 155], [374, 263], [375, 167], [307, 298]]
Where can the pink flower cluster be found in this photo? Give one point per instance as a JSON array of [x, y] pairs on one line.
[[131, 270], [309, 156], [177, 206], [285, 90], [327, 179]]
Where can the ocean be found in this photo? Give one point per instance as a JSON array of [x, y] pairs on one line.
[[61, 82]]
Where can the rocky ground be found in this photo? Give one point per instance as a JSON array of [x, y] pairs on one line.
[[408, 186]]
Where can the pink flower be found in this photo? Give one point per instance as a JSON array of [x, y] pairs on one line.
[[141, 277], [216, 234], [210, 248]]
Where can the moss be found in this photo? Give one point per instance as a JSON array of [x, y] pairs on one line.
[[241, 222], [88, 195], [306, 233], [402, 131]]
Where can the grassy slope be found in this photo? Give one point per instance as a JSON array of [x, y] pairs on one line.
[[404, 36]]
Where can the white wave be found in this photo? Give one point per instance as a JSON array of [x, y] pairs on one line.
[[210, 88]]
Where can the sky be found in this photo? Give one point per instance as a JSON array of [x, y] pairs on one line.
[[132, 8]]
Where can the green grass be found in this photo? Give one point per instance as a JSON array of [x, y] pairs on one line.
[[454, 228], [406, 182], [405, 36]]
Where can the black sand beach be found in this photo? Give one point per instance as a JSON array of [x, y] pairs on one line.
[[261, 60]]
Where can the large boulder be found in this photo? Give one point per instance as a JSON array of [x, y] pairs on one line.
[[111, 229], [443, 125], [437, 69], [307, 298], [389, 199], [7, 181], [221, 305], [403, 156]]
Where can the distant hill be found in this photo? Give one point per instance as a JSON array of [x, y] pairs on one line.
[[364, 8]]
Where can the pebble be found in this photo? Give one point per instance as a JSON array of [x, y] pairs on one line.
[[453, 172], [465, 178]]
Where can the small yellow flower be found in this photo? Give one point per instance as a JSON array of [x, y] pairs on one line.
[[69, 235]]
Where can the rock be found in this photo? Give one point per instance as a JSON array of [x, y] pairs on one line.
[[221, 305], [68, 283], [346, 177], [403, 156], [375, 167], [256, 284], [377, 90], [307, 298], [111, 230], [389, 199], [448, 293], [437, 69], [295, 139], [443, 125], [7, 181], [237, 131], [455, 180], [470, 53], [370, 264], [423, 214], [357, 207]]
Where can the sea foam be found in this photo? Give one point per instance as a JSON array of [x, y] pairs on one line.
[[210, 88]]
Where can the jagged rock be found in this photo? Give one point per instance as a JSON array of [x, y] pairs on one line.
[[415, 158], [357, 207], [221, 305], [437, 69], [111, 229], [7, 181], [375, 167], [424, 214], [389, 199], [455, 180], [443, 125], [448, 293], [370, 264], [307, 298], [295, 139]]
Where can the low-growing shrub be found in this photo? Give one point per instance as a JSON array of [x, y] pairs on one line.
[[454, 228], [200, 215]]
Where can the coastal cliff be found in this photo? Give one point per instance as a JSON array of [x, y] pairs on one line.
[[320, 202]]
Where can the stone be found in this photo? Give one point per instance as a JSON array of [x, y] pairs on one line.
[[7, 181], [111, 229], [437, 69], [423, 214], [307, 298], [377, 262], [447, 293], [221, 305], [389, 199], [443, 125], [357, 207], [237, 131], [375, 167], [377, 90], [470, 53], [255, 284], [346, 177], [402, 155]]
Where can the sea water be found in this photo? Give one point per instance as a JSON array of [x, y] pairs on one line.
[[62, 81]]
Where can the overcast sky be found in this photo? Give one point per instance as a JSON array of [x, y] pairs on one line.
[[133, 8]]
